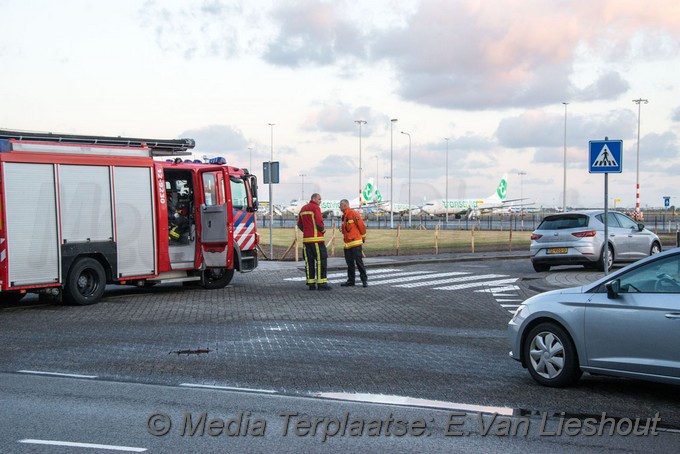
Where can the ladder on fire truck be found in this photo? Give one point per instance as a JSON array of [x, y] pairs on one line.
[[176, 147]]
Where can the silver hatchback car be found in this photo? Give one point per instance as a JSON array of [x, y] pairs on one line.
[[577, 238], [626, 324]]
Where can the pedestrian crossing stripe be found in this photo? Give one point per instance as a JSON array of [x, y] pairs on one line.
[[497, 291], [477, 284], [465, 278], [605, 158], [397, 277], [344, 274], [501, 287]]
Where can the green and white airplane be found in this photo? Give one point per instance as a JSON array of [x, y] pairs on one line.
[[470, 207], [369, 197]]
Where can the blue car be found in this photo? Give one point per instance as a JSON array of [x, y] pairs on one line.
[[626, 324]]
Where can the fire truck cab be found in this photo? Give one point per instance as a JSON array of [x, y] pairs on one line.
[[80, 212]]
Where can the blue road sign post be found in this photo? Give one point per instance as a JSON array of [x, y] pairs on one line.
[[605, 156]]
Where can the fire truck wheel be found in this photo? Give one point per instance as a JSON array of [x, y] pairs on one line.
[[86, 282], [217, 278]]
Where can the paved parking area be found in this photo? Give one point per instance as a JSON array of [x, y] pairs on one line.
[[266, 331]]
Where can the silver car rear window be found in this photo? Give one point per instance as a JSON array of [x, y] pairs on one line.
[[564, 221]]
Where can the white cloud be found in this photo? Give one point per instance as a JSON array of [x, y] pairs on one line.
[[217, 139], [490, 75], [312, 32]]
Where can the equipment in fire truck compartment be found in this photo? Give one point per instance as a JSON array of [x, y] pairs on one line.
[[180, 219]]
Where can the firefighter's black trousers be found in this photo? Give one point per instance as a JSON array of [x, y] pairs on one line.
[[352, 256], [316, 263]]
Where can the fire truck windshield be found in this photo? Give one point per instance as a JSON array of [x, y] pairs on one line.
[[239, 196]]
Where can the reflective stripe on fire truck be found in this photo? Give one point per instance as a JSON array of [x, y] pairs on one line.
[[244, 226]]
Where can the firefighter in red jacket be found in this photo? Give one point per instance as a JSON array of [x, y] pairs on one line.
[[310, 221], [354, 233]]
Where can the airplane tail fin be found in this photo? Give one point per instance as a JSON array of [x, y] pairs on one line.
[[370, 193], [501, 190]]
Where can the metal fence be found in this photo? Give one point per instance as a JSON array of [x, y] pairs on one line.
[[658, 223]]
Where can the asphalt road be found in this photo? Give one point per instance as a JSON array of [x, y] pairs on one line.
[[66, 415], [433, 331]]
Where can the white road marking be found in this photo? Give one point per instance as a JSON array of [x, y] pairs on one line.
[[465, 278], [372, 272], [81, 445], [477, 284], [499, 288], [400, 277], [227, 388], [55, 374], [498, 291], [384, 399], [414, 402]]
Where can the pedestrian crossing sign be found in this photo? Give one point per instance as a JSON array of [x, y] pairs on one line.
[[605, 156]]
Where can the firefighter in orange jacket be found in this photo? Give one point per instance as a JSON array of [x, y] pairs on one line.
[[310, 221], [354, 232]]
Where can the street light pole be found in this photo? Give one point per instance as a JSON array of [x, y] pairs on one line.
[[303, 186], [377, 171], [446, 183], [637, 173], [409, 177], [564, 179], [250, 150], [521, 196], [271, 197], [361, 122], [392, 121]]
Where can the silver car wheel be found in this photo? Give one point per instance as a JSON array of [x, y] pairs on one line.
[[546, 354]]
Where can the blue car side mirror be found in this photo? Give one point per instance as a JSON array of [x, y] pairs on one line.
[[613, 288]]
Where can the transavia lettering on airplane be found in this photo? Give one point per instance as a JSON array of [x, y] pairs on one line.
[[470, 207]]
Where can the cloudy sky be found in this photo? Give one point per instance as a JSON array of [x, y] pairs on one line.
[[492, 76]]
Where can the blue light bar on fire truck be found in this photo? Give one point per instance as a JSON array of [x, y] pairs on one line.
[[219, 161]]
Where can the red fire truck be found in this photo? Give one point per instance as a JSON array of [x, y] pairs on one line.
[[79, 212]]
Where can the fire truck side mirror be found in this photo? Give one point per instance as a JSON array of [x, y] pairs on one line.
[[252, 180]]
